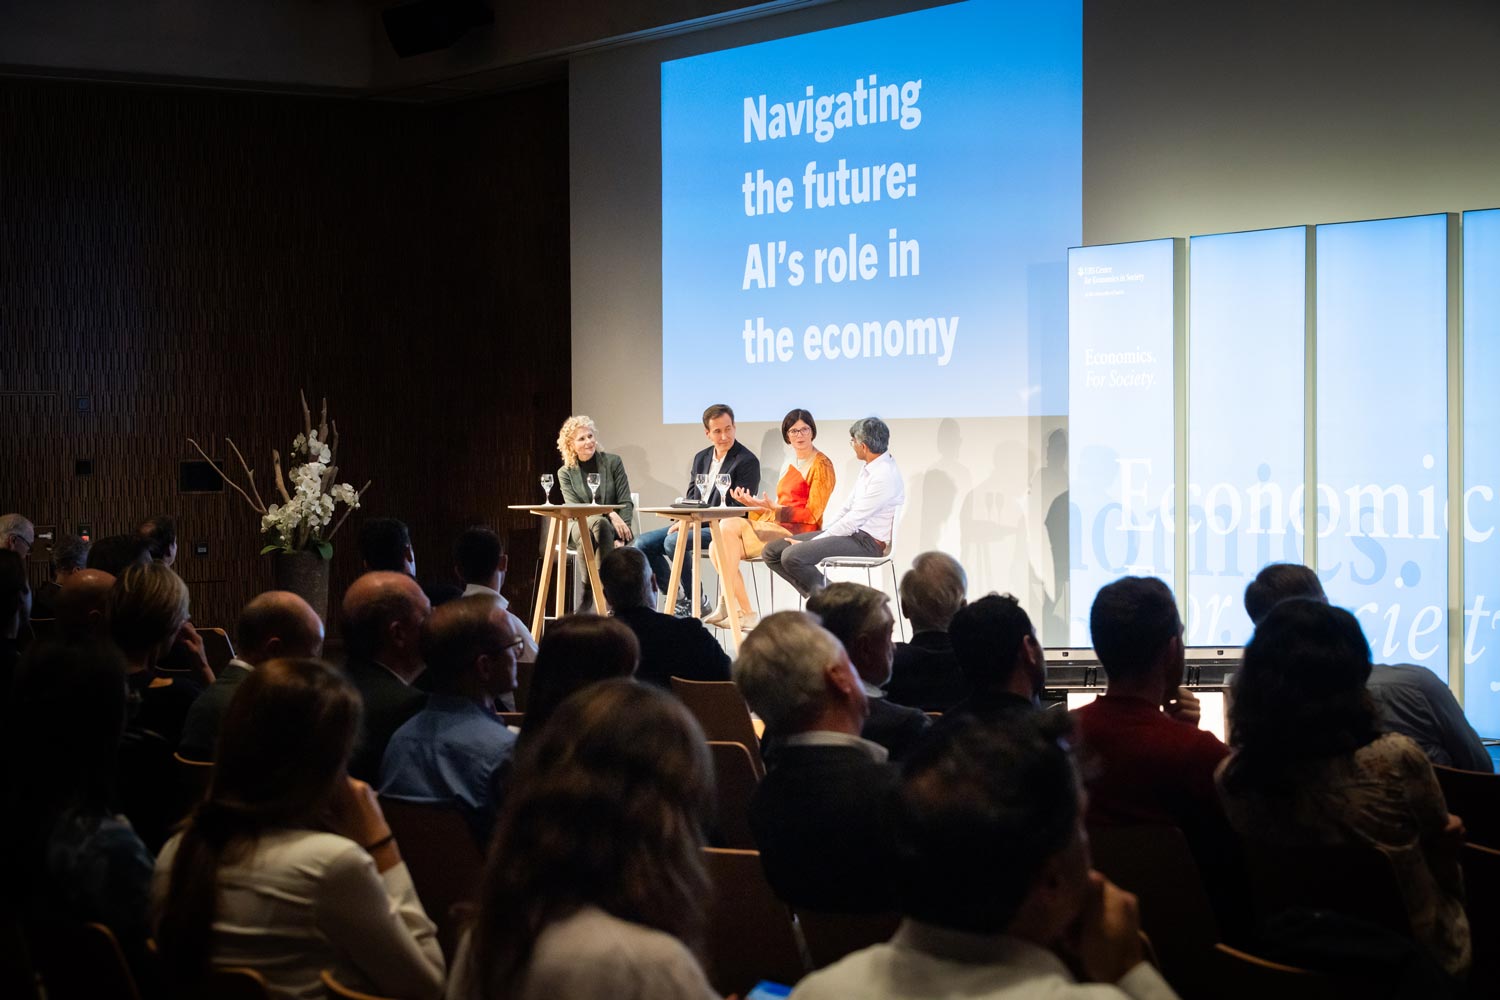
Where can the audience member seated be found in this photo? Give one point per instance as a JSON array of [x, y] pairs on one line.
[[452, 751], [860, 618], [288, 867], [385, 546], [113, 554], [75, 862], [160, 534], [1002, 662], [278, 623], [147, 608], [925, 673], [820, 816], [670, 646], [17, 535], [15, 614], [382, 618], [999, 899], [595, 887], [69, 556], [1146, 760], [1411, 700], [480, 562], [81, 605], [577, 651], [1311, 767]]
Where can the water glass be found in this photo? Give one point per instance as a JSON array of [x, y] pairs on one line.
[[547, 482], [723, 483], [700, 481], [592, 479]]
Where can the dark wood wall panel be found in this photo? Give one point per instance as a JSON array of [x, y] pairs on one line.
[[187, 261]]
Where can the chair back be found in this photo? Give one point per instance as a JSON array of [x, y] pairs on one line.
[[1353, 880], [721, 710], [525, 673], [1242, 976], [235, 984], [444, 861], [339, 991], [1482, 887], [1155, 863], [512, 718], [1474, 796], [635, 515], [831, 936], [735, 779], [43, 629], [751, 933], [84, 963], [193, 778], [216, 647]]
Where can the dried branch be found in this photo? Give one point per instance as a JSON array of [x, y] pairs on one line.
[[347, 510], [323, 423], [276, 473], [226, 479], [306, 416], [329, 475], [333, 442], [249, 475]]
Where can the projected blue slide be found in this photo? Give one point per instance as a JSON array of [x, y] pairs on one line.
[[873, 218], [1481, 628]]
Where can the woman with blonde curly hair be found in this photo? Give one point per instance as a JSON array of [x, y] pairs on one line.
[[581, 456]]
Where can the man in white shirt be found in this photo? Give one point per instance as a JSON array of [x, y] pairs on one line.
[[999, 900], [480, 562], [863, 526]]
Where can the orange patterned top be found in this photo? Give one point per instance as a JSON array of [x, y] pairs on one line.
[[801, 501]]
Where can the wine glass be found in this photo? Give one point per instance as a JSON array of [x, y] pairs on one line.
[[700, 480], [722, 479], [592, 479], [547, 482]]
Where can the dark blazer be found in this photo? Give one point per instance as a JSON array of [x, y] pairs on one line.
[[821, 818], [895, 727], [674, 647], [741, 465], [200, 733], [614, 485], [926, 674], [388, 704]]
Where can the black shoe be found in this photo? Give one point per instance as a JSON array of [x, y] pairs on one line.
[[684, 608]]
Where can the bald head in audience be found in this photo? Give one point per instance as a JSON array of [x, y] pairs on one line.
[[80, 604], [383, 614], [278, 623]]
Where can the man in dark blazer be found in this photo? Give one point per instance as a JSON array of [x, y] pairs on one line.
[[670, 647], [860, 618], [821, 816], [723, 455], [925, 673], [383, 614]]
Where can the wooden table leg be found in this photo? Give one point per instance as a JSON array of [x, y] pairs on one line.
[[539, 616], [677, 555], [586, 545], [716, 539], [697, 570], [562, 565]]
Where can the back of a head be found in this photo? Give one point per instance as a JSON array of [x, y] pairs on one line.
[[1130, 622], [82, 604], [575, 652], [1300, 692], [986, 635], [983, 806], [455, 636], [849, 610], [383, 542], [606, 809], [160, 534], [278, 615], [626, 578], [70, 554], [873, 433], [1280, 582], [780, 670], [477, 554], [371, 604], [932, 591], [146, 606], [114, 553]]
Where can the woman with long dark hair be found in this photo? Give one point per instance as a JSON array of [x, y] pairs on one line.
[[1311, 767], [595, 886], [288, 866], [575, 652]]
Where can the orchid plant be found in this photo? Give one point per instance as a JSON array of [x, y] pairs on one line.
[[304, 519]]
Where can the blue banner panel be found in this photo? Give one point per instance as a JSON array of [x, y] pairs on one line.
[[1481, 470]]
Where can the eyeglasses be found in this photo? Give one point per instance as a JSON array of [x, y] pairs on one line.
[[22, 540], [799, 431]]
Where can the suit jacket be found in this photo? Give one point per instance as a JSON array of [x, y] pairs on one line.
[[200, 733], [821, 818], [895, 727], [926, 673], [614, 485], [740, 464], [674, 647], [388, 704]]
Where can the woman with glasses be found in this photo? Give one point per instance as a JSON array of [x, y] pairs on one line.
[[801, 496]]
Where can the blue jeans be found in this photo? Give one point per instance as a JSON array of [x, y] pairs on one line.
[[659, 546]]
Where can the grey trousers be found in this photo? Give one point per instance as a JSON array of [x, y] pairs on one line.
[[796, 561]]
